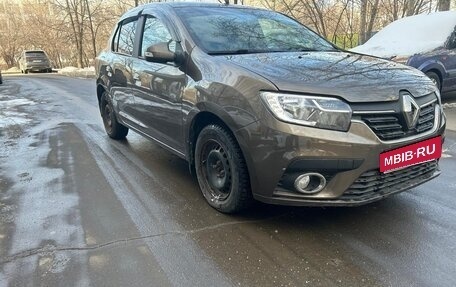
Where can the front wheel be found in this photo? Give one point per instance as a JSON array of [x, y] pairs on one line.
[[113, 128], [435, 79], [221, 170]]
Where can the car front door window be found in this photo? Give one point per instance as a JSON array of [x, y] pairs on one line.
[[154, 32]]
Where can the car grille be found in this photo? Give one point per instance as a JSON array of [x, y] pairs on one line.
[[393, 126], [373, 183]]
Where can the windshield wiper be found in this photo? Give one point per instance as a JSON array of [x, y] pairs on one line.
[[236, 52]]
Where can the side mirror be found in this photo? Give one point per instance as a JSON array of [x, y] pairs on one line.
[[160, 53]]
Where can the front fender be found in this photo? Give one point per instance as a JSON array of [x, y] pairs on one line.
[[233, 124]]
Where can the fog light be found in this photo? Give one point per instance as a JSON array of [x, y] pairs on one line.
[[302, 182], [310, 183]]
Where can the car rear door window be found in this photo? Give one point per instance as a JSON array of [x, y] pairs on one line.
[[35, 54], [154, 32], [127, 37]]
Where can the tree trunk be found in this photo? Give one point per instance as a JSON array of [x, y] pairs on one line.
[[444, 5], [363, 17], [94, 43], [373, 16], [411, 4]]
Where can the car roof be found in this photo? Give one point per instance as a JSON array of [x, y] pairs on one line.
[[171, 5]]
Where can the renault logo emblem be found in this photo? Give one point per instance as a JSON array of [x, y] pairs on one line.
[[410, 109]]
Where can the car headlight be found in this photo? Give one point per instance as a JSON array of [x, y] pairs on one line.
[[319, 112], [439, 96]]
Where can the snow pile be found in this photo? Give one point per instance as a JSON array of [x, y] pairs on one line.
[[411, 35], [449, 106], [68, 70], [88, 72], [13, 70]]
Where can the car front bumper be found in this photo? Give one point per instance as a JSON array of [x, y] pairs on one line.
[[277, 151]]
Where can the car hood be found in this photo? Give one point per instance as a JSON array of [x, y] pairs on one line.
[[354, 77]]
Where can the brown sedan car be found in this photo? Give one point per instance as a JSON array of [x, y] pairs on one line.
[[263, 108]]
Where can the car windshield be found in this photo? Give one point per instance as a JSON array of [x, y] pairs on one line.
[[240, 31]]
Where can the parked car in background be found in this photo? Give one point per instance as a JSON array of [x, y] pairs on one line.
[[34, 61], [426, 42], [263, 108]]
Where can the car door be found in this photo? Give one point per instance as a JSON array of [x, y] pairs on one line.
[[120, 70], [159, 87], [450, 64]]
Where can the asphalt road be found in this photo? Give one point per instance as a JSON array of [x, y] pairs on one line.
[[78, 209]]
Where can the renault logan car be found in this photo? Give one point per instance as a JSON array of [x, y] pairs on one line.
[[263, 108]]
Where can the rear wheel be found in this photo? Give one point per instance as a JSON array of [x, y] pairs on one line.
[[113, 128], [221, 170], [435, 79], [26, 71]]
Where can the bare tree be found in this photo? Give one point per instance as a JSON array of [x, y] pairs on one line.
[[444, 5]]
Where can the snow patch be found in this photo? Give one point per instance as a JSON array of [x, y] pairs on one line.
[[68, 69], [411, 35], [13, 70], [15, 103], [88, 72], [9, 116], [449, 106], [13, 118]]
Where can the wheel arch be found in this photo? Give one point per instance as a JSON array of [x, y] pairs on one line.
[[433, 66], [209, 113]]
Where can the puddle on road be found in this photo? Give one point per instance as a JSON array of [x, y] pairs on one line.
[[36, 207]]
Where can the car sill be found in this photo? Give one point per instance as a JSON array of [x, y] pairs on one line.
[[177, 152]]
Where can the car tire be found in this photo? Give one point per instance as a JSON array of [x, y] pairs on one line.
[[26, 71], [113, 128], [221, 170], [435, 79]]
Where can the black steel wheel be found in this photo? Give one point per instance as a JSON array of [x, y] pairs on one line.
[[221, 170], [113, 128]]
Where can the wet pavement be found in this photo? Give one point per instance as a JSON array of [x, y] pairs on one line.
[[78, 209]]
